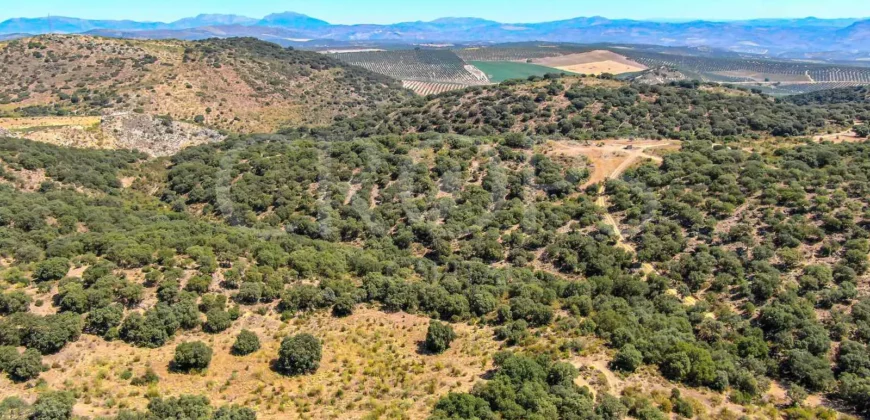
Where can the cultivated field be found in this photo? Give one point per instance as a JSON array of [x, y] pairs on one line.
[[752, 70], [516, 53], [430, 88], [499, 71], [593, 62], [419, 65]]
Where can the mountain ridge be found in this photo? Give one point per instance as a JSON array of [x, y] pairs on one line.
[[764, 36]]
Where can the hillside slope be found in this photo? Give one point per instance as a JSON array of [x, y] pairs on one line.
[[587, 108], [240, 85]]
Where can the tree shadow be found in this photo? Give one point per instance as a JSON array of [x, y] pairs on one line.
[[423, 350], [487, 375]]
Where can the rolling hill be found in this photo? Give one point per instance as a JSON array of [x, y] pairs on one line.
[[597, 108], [560, 247], [237, 85]]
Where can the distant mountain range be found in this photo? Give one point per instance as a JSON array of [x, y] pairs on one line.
[[775, 37]]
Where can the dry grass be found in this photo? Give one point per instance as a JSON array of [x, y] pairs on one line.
[[593, 62], [370, 366], [25, 123], [243, 91], [122, 131]]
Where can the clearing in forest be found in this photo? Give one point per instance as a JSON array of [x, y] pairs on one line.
[[610, 158]]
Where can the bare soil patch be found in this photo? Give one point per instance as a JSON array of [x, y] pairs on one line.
[[609, 158], [593, 62], [842, 137]]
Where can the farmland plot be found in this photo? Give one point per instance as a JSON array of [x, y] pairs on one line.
[[417, 65]]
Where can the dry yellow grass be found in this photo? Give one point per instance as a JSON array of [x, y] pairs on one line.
[[608, 66], [592, 62], [24, 123], [370, 365], [122, 131], [234, 85]]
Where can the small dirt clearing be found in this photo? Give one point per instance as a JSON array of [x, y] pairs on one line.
[[842, 137], [610, 158]]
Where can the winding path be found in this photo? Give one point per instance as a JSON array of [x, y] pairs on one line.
[[602, 199]]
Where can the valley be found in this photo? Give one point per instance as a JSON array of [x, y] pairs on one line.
[[493, 222]]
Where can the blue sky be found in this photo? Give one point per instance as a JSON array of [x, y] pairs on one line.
[[389, 11]]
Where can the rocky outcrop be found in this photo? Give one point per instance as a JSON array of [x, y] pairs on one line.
[[157, 136], [658, 76]]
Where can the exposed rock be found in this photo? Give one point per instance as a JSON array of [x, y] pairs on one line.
[[156, 136], [5, 133], [659, 76]]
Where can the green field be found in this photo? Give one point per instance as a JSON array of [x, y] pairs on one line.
[[499, 71]]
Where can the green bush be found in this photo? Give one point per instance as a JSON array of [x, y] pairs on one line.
[[194, 355], [299, 355], [147, 378], [99, 321], [462, 406], [234, 412], [51, 269], [26, 366], [438, 337], [627, 359], [343, 306], [53, 406], [186, 407], [13, 302], [246, 343], [217, 321]]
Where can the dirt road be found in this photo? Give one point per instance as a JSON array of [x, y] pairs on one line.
[[611, 159]]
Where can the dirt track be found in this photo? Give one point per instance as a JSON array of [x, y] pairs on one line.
[[611, 159]]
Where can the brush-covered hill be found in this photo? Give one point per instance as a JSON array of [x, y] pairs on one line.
[[449, 276], [239, 85], [592, 108]]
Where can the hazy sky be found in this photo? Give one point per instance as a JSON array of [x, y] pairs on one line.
[[389, 11]]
